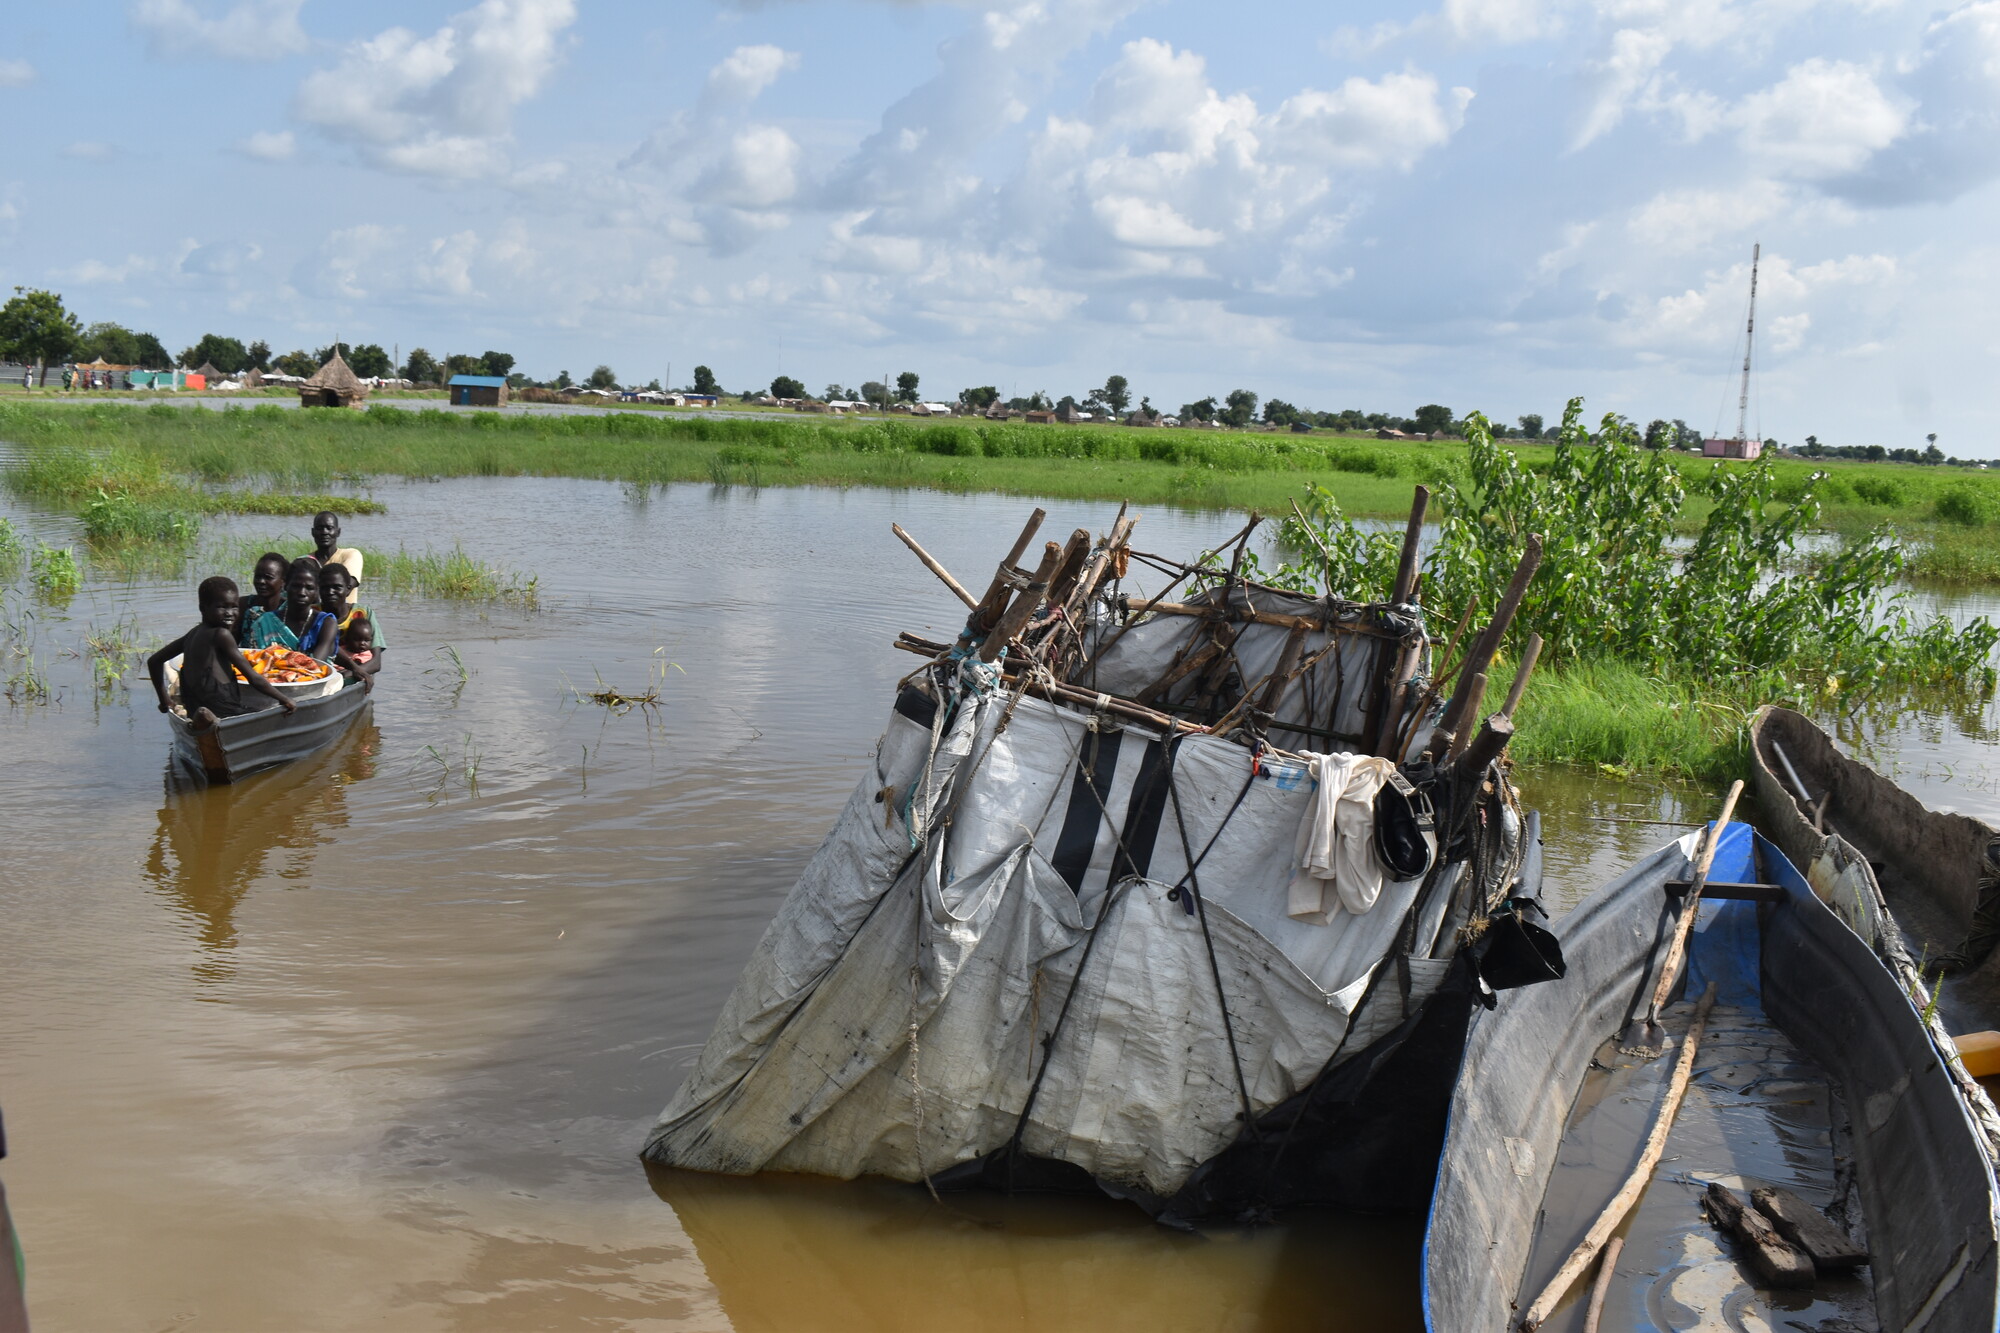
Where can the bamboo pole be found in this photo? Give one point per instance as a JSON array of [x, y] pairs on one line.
[[1406, 572], [1639, 1040], [1635, 1184], [930, 563], [1521, 675], [1598, 1289]]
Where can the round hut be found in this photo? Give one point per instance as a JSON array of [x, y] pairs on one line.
[[333, 385]]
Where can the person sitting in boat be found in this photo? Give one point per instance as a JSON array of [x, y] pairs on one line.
[[328, 550], [357, 640], [211, 662], [306, 626], [267, 580], [340, 593]]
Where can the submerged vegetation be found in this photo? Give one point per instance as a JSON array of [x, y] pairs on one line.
[[54, 572], [1656, 649]]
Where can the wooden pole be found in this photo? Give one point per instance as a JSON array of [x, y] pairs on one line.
[[1444, 673], [1521, 675], [930, 563], [1635, 1184], [1075, 552], [987, 613], [1602, 1286], [1025, 604], [1633, 1044], [1480, 655], [1484, 748], [1061, 693], [1460, 736], [1406, 572]]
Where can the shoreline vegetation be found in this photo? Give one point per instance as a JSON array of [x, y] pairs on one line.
[[1832, 535]]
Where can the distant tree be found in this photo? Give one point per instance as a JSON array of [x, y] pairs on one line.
[[297, 362], [517, 381], [833, 393], [1067, 404], [876, 392], [34, 326], [1432, 418], [110, 342], [1241, 409], [151, 352], [497, 363], [1686, 437], [321, 355], [980, 398], [1146, 407], [704, 381], [1116, 394], [906, 387], [227, 355], [259, 353], [462, 363], [563, 381], [784, 386], [421, 368], [1202, 409], [369, 361], [1933, 455], [1812, 446], [1278, 412], [1874, 453], [1774, 446], [1531, 425], [1659, 434], [1038, 401], [603, 378], [653, 384]]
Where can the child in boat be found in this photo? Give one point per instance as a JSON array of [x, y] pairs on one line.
[[210, 662], [328, 550], [340, 594], [268, 581], [357, 641]]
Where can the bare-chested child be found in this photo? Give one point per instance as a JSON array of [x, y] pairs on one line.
[[210, 661]]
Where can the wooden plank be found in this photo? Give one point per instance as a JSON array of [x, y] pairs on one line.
[[1807, 1228], [1755, 893], [1775, 1260]]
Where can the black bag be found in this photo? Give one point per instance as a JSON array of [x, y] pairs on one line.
[[1514, 951], [1405, 828]]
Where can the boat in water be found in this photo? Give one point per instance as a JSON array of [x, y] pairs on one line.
[[1060, 938], [1921, 886], [235, 747], [1813, 1076]]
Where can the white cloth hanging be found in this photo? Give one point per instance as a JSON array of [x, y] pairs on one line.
[[1337, 864]]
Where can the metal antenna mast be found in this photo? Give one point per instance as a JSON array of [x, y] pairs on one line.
[[1749, 338]]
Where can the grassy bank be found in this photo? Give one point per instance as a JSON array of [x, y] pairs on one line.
[[1626, 720]]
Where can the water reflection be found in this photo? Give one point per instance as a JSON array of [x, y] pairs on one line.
[[797, 1252], [215, 842]]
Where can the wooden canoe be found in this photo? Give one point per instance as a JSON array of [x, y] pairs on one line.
[[1815, 1075], [236, 747]]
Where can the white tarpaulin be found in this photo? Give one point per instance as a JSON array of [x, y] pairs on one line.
[[893, 1018]]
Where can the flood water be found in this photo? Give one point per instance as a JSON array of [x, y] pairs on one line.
[[374, 1041]]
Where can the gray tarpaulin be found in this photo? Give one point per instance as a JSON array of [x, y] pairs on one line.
[[891, 1020]]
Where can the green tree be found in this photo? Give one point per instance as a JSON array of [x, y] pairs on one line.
[[1432, 418], [1531, 426], [297, 362], [259, 353], [1933, 454], [603, 378], [227, 355], [906, 387], [497, 363], [1813, 447], [563, 381], [876, 392], [110, 342], [421, 368], [1241, 409], [784, 386], [1659, 434], [369, 361], [1116, 394], [1686, 437], [1278, 412], [704, 381], [1200, 410], [34, 326], [981, 398]]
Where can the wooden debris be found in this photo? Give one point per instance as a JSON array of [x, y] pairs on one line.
[[931, 563], [1776, 1261], [1599, 1289], [1807, 1228]]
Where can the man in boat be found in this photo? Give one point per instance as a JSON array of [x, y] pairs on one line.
[[327, 548], [211, 662]]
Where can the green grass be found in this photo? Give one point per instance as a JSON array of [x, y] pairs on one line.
[[1626, 721], [451, 575], [10, 544], [54, 573]]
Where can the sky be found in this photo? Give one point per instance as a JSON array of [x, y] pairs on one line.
[[1492, 204]]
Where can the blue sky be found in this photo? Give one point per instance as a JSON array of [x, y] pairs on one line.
[[1492, 204]]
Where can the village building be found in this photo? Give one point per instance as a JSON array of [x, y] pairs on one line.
[[333, 385], [478, 390], [1040, 418], [1746, 450]]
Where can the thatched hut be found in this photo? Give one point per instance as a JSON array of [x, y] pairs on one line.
[[333, 385]]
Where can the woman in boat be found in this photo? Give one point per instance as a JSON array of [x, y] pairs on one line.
[[307, 627], [328, 550], [267, 580]]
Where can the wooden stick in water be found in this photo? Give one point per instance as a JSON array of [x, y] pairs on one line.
[[930, 563], [1602, 1286], [1635, 1184], [1645, 1038], [1527, 669]]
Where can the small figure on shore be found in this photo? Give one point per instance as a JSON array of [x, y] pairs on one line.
[[211, 661], [327, 548]]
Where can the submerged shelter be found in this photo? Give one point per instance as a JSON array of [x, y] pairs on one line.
[[1187, 899], [478, 390], [333, 385]]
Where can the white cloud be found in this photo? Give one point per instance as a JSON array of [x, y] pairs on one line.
[[248, 30], [1953, 141], [1390, 122], [1825, 118], [1686, 219], [90, 150], [269, 146], [748, 71], [440, 105], [1501, 20], [218, 259], [1149, 223], [16, 73]]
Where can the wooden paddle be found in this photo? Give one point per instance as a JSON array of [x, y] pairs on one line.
[[1645, 1038]]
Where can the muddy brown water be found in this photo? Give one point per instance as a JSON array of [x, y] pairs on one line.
[[373, 1041]]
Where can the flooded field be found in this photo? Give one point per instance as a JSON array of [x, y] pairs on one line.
[[374, 1042]]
